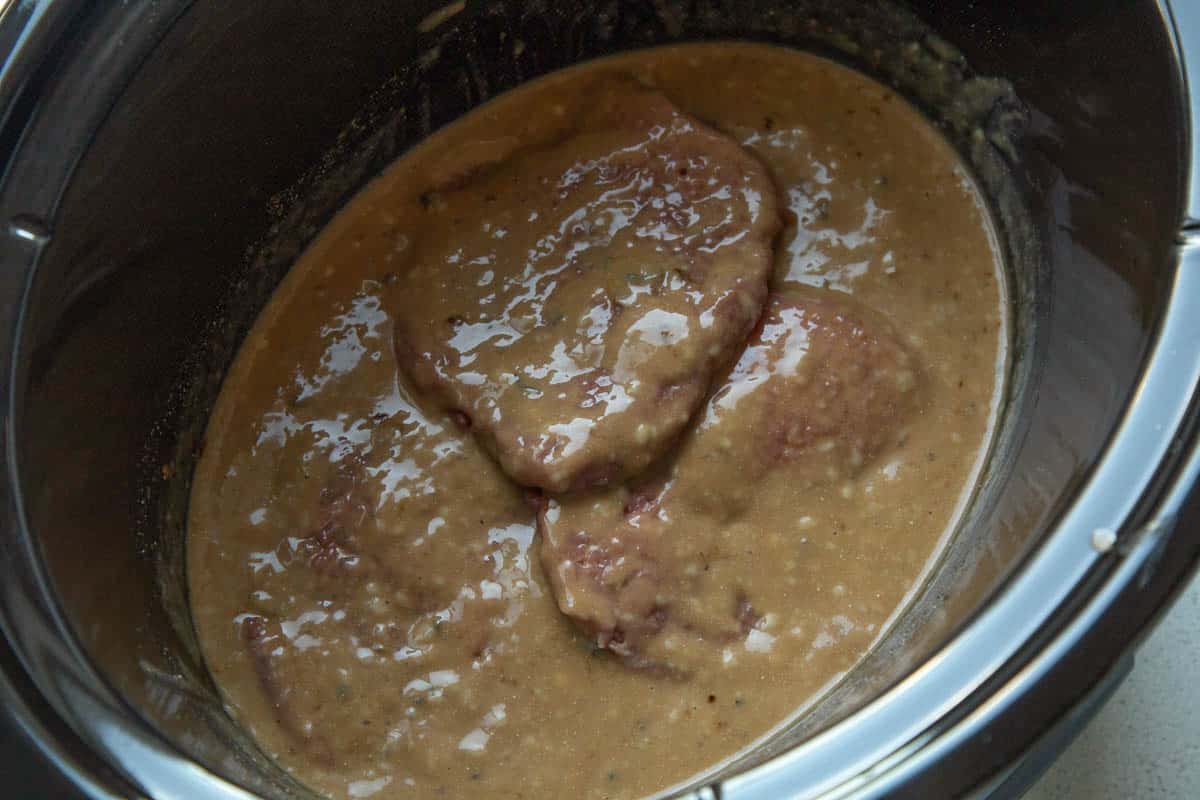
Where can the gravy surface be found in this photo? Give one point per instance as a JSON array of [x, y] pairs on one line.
[[662, 571], [365, 578]]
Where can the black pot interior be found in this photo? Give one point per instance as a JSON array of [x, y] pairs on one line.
[[234, 143]]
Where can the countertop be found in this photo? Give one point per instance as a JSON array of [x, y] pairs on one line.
[[1145, 743]]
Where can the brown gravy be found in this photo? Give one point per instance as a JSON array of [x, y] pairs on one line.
[[365, 578]]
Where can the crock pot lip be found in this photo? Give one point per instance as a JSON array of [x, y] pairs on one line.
[[1185, 18], [60, 748], [57, 45], [924, 712]]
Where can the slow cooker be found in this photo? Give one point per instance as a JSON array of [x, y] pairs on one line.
[[164, 161]]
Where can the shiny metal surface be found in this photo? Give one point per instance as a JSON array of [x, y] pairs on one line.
[[38, 752], [61, 123], [122, 241], [1186, 18]]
